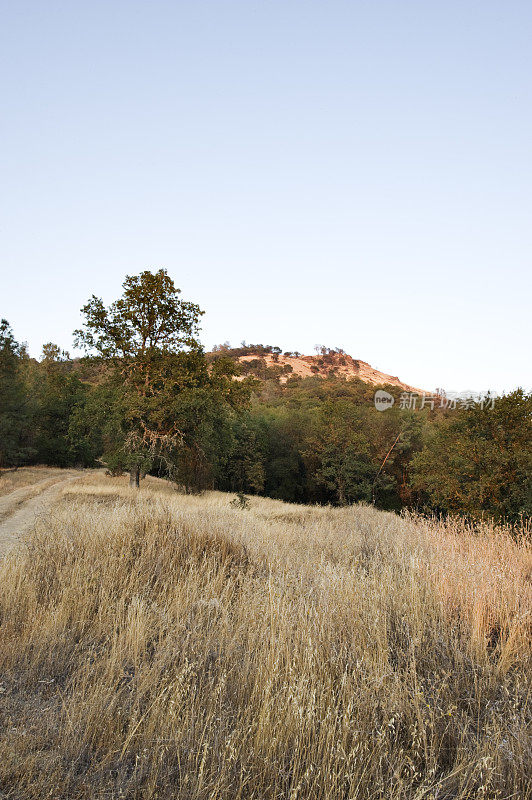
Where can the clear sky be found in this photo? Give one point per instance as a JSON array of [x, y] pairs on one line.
[[354, 174]]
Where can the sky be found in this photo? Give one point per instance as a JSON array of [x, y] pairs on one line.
[[354, 174]]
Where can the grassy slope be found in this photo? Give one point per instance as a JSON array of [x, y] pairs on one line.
[[157, 645], [14, 480], [19, 486]]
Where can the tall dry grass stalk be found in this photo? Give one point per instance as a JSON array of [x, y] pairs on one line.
[[160, 646]]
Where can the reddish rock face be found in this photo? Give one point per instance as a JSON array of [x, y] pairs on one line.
[[338, 364]]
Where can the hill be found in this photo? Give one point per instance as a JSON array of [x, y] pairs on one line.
[[266, 362]]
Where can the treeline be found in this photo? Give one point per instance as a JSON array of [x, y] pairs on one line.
[[146, 398]]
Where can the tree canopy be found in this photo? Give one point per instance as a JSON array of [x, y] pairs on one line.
[[146, 398]]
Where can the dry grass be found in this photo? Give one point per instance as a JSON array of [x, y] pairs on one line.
[[12, 480], [155, 645], [18, 486]]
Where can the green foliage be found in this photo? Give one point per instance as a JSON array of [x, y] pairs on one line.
[[146, 398], [280, 437], [149, 337], [171, 406], [149, 319], [243, 468], [58, 393], [96, 429], [479, 460], [241, 501], [15, 404], [323, 441], [338, 451]]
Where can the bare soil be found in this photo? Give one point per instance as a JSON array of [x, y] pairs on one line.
[[20, 509]]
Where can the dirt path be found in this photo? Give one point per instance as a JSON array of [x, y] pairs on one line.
[[27, 511]]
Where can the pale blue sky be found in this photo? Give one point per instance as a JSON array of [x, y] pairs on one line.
[[356, 174]]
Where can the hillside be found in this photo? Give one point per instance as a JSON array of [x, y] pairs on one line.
[[268, 362]]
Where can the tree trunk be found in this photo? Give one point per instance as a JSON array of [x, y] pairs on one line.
[[341, 493], [134, 477]]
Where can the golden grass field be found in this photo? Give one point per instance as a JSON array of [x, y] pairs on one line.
[[16, 479], [157, 645]]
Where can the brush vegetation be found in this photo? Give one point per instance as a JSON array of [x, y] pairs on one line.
[[157, 645], [147, 399]]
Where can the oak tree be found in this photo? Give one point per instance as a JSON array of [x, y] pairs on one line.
[[148, 338]]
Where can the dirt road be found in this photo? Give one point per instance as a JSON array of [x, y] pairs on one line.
[[20, 509]]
